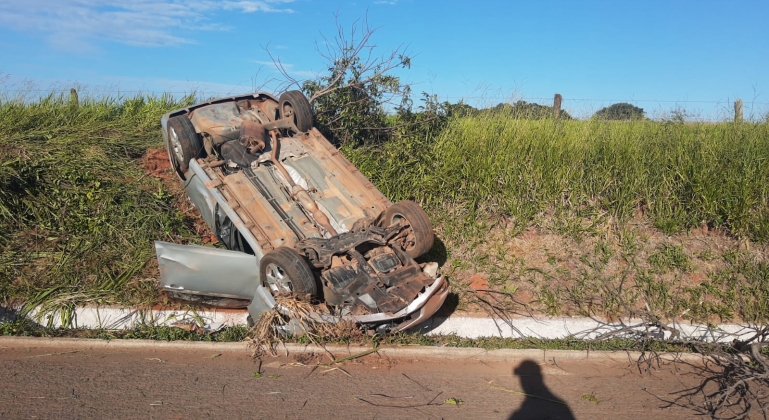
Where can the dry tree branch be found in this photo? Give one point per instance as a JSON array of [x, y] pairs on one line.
[[354, 52], [280, 67], [499, 309], [735, 378]]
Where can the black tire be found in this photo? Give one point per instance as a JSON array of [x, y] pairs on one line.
[[283, 270], [184, 144], [295, 102], [423, 236]]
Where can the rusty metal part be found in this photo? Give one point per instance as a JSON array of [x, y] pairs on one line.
[[321, 250], [253, 136], [288, 220], [373, 293], [362, 196], [237, 154], [221, 122], [286, 123], [385, 280], [248, 205]]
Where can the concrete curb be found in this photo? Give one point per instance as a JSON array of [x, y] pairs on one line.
[[456, 324], [412, 352]]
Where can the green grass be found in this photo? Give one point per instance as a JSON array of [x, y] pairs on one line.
[[26, 328], [77, 213], [592, 181], [681, 175]]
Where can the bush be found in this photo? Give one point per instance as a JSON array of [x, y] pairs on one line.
[[620, 112]]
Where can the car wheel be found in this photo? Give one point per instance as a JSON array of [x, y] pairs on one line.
[[420, 237], [184, 144], [283, 270], [294, 104]]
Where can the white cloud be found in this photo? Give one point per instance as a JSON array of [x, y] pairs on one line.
[[132, 22]]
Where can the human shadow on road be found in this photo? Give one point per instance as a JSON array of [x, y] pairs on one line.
[[540, 403]]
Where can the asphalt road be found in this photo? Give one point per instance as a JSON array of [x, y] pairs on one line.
[[82, 382]]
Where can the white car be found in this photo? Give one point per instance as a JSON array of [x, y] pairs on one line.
[[296, 217]]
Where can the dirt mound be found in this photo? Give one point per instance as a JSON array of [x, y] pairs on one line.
[[155, 162]]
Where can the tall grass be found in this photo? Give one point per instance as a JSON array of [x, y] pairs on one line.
[[77, 214], [680, 175]]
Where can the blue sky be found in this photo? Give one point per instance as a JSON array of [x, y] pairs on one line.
[[698, 55]]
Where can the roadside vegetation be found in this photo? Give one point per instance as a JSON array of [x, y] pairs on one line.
[[593, 218], [77, 212]]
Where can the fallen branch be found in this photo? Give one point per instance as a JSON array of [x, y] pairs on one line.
[[402, 406], [513, 391], [354, 356]]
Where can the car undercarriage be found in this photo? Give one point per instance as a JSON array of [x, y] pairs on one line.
[[271, 186]]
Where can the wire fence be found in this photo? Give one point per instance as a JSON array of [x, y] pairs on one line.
[[691, 109]]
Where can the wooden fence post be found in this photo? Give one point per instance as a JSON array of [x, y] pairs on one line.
[[73, 97], [738, 111], [557, 105]]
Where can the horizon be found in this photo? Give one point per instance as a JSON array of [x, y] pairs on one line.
[[695, 56]]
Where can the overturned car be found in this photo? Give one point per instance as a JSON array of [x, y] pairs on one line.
[[297, 218]]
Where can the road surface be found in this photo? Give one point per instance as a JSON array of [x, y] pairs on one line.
[[83, 382]]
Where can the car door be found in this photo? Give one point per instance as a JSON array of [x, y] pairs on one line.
[[204, 270]]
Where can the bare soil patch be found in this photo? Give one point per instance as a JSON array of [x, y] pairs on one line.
[[156, 164], [605, 269]]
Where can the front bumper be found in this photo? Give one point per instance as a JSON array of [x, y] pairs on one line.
[[423, 307]]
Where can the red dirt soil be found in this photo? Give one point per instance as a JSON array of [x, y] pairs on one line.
[[156, 164]]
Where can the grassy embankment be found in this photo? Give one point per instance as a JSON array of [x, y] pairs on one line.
[[595, 217], [77, 213], [580, 217]]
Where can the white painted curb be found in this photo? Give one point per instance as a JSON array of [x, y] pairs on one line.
[[462, 326]]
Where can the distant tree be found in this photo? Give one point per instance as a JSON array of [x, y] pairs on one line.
[[460, 109], [526, 111], [622, 111], [678, 115]]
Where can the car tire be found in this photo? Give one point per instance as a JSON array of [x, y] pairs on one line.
[[418, 221], [283, 270], [294, 102], [184, 144]]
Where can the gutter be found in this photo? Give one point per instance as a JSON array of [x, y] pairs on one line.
[[93, 317]]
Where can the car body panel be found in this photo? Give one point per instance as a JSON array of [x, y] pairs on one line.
[[200, 195], [206, 270]]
